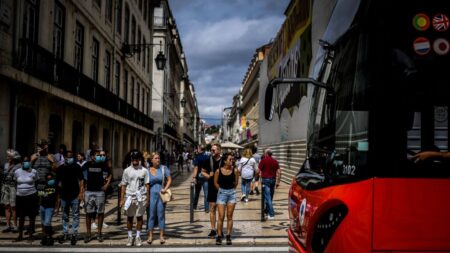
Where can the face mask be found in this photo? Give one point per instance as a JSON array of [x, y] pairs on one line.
[[51, 182], [103, 158], [70, 160], [98, 158], [26, 165]]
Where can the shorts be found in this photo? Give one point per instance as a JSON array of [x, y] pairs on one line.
[[8, 195], [226, 196], [137, 208], [94, 202]]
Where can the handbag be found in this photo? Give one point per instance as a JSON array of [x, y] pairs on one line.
[[166, 196]]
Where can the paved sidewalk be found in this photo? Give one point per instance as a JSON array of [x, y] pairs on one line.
[[247, 228]]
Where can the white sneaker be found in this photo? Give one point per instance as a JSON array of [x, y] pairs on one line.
[[271, 217], [130, 241], [138, 241], [243, 197], [93, 226], [105, 225]]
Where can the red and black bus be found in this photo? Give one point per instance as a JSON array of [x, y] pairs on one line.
[[380, 93]]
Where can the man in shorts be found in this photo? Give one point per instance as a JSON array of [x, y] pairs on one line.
[[134, 197], [94, 195]]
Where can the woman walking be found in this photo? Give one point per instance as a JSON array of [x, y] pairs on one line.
[[27, 201], [225, 181], [8, 188], [248, 168], [158, 174]]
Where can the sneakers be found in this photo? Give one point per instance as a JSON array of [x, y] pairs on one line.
[[251, 192], [213, 233], [105, 225], [246, 200], [130, 241], [228, 239], [87, 239], [100, 238], [15, 229], [93, 226], [73, 240], [257, 191], [270, 217], [138, 241], [219, 240], [243, 197]]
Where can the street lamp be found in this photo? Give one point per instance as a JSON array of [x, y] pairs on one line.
[[129, 50], [183, 102]]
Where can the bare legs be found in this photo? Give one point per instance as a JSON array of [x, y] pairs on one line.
[[230, 211]]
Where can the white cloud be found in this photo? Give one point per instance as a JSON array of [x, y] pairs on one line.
[[219, 39]]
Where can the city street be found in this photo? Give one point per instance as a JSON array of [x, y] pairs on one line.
[[249, 233]]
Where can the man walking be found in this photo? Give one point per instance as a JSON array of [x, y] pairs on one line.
[[198, 179], [270, 175], [70, 179], [134, 197], [94, 196], [208, 169]]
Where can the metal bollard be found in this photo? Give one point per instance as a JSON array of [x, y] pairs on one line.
[[262, 202], [191, 206], [119, 210]]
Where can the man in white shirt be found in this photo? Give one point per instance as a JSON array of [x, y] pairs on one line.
[[135, 197]]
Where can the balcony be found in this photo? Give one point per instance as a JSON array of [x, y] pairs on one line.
[[41, 64], [170, 131]]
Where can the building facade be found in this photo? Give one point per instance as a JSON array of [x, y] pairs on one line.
[[64, 77]]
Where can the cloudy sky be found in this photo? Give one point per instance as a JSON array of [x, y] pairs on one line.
[[219, 39]]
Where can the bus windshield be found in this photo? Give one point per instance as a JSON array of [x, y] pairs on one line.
[[392, 97]]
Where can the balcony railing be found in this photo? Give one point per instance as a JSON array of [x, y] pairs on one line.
[[170, 131], [187, 137], [42, 64]]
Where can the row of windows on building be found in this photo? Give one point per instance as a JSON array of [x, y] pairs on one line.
[[134, 90]]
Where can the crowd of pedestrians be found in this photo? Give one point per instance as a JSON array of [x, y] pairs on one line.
[[44, 183], [218, 174]]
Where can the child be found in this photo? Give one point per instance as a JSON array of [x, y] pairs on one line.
[[49, 203]]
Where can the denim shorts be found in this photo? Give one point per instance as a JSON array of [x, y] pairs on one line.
[[226, 196]]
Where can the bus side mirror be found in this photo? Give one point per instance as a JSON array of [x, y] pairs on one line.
[[268, 107]]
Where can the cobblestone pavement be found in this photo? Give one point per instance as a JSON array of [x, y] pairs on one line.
[[248, 229]]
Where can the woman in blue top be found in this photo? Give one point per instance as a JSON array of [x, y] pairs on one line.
[[157, 208]]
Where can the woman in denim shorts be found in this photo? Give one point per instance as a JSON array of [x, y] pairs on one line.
[[225, 180]]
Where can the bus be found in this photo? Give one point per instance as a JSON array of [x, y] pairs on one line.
[[377, 93]]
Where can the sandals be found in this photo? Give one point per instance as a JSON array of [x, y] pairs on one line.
[[162, 241], [149, 241]]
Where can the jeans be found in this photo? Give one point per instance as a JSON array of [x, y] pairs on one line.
[[201, 183], [245, 186], [66, 205], [46, 215], [268, 189]]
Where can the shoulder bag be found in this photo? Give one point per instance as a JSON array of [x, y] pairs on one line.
[[166, 196]]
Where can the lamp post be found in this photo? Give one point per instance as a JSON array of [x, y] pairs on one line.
[[129, 50]]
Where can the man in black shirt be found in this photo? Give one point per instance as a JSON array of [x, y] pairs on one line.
[[70, 180], [98, 180], [208, 168]]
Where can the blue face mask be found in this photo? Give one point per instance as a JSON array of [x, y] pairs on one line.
[[51, 182], [98, 159], [103, 158], [70, 160], [26, 165]]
